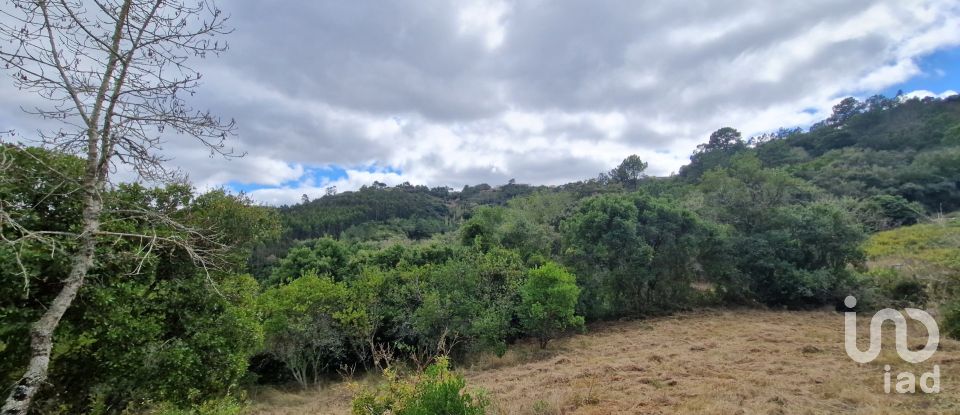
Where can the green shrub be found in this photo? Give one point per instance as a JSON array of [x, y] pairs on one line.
[[637, 254], [882, 212], [435, 391], [549, 299], [229, 405], [910, 292], [951, 319], [897, 290], [865, 289], [301, 325], [466, 303]]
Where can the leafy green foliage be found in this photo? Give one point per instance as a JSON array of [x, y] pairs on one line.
[[801, 257], [544, 207], [549, 298], [882, 212], [785, 248], [410, 272], [331, 215], [238, 221], [743, 194], [128, 332], [900, 149], [416, 301], [435, 391], [629, 172], [149, 325], [323, 256], [951, 319], [484, 195], [926, 252], [302, 326], [379, 213], [723, 144], [907, 148], [499, 227], [218, 406], [601, 241], [468, 300], [640, 252]]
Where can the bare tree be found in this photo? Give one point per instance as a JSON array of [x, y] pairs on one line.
[[114, 73]]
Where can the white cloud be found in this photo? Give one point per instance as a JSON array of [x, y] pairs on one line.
[[484, 18], [887, 75], [354, 180], [454, 93], [922, 93]]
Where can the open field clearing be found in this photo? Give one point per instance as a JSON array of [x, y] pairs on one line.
[[712, 362]]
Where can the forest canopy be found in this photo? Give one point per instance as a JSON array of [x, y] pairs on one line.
[[369, 279]]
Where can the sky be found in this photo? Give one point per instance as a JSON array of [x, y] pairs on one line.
[[448, 93]]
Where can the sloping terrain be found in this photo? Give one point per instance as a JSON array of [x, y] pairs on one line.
[[929, 252], [712, 362]]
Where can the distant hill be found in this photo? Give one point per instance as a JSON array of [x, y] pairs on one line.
[[379, 212], [881, 147], [908, 148]]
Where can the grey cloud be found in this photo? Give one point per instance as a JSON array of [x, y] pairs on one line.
[[558, 57], [533, 169], [308, 81], [383, 57], [554, 170]]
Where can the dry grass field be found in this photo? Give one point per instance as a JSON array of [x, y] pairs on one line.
[[708, 362]]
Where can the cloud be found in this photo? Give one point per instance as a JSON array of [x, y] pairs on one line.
[[922, 93], [454, 93], [354, 179], [484, 18]]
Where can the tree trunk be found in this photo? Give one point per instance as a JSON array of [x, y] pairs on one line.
[[41, 333]]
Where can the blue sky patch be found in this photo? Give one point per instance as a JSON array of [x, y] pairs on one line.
[[940, 72], [313, 175]]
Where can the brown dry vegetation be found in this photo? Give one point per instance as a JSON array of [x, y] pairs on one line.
[[709, 362]]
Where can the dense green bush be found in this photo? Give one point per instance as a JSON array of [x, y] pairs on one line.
[[220, 406], [466, 303], [323, 256], [149, 325], [715, 153], [413, 302], [897, 290], [638, 254], [302, 325], [435, 391], [882, 212], [549, 299], [880, 147], [507, 228], [786, 247], [951, 319]]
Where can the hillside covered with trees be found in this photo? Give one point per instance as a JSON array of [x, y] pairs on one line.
[[388, 277]]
